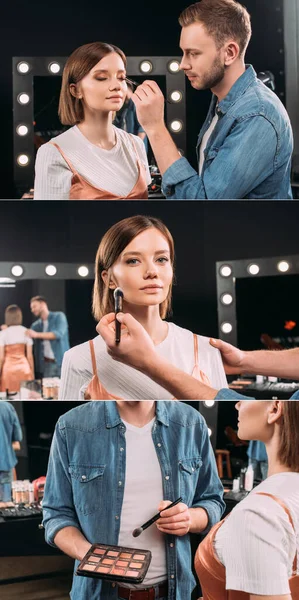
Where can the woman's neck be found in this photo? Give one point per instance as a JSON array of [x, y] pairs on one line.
[[98, 129], [275, 465], [149, 318]]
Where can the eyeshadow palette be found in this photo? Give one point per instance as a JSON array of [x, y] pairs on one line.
[[115, 563]]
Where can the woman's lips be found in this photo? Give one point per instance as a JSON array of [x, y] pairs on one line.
[[151, 290]]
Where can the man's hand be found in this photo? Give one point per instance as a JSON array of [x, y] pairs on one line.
[[232, 358], [149, 102], [136, 348], [31, 333], [175, 520]]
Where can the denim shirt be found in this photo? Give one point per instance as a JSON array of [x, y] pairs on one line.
[[57, 324], [227, 394], [248, 154], [88, 462], [10, 431]]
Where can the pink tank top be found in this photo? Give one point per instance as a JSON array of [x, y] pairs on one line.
[[96, 391], [82, 190], [211, 572]]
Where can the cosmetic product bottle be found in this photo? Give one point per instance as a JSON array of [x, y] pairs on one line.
[[31, 493], [236, 484], [249, 477], [242, 478]]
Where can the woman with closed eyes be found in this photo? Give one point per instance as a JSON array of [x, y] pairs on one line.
[[137, 255], [93, 159]]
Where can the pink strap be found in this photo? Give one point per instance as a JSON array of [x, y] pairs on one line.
[[69, 164], [195, 349], [93, 358]]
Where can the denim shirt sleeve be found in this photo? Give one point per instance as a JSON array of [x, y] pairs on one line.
[[17, 434], [209, 491], [60, 327], [227, 394], [58, 507], [231, 171]]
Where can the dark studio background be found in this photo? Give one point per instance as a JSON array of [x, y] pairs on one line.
[[57, 28], [204, 233]]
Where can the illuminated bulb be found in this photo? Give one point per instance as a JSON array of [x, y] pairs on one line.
[[22, 130], [174, 66], [23, 98], [23, 67], [54, 67], [17, 270], [226, 327], [146, 66], [209, 403], [225, 271], [176, 126], [283, 266], [50, 270], [176, 96], [253, 269], [209, 431], [226, 299], [83, 271], [23, 160]]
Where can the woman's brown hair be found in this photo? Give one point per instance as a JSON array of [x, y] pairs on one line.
[[288, 451], [111, 246], [79, 63], [13, 315]]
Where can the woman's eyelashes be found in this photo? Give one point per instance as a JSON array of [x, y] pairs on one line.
[[135, 261], [122, 78]]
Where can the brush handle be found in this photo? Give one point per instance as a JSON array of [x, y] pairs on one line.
[[157, 516], [118, 306]]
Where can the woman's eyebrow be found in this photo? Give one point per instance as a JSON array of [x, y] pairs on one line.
[[165, 251], [106, 71]]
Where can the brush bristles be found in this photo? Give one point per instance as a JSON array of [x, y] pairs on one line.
[[137, 532], [118, 292]]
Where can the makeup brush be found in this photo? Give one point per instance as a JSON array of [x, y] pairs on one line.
[[139, 530], [137, 84], [118, 306]]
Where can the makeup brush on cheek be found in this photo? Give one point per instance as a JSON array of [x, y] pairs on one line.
[[118, 306], [139, 530]]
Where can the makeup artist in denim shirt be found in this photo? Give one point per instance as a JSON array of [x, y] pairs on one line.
[[111, 465], [10, 432], [245, 145]]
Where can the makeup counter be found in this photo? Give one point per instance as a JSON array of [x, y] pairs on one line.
[[35, 389], [264, 388]]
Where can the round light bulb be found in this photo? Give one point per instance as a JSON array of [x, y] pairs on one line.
[[226, 327], [83, 271], [23, 98], [174, 66], [50, 270], [23, 160], [22, 130], [23, 67], [54, 67], [209, 403], [176, 126], [225, 271], [17, 270], [253, 269], [283, 266], [146, 66], [176, 96], [226, 299]]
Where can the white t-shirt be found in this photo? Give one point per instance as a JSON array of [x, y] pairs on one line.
[[204, 142], [256, 544], [142, 495], [126, 382], [114, 170], [48, 352], [15, 334]]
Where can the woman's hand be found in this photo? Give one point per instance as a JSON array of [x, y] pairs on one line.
[[136, 348], [175, 520]]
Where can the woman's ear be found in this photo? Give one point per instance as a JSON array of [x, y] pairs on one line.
[[75, 91], [275, 411], [108, 281]]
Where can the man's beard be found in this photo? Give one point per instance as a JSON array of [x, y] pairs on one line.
[[214, 76]]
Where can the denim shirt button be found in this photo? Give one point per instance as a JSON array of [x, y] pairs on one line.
[[117, 517], [120, 483], [166, 476], [172, 576], [159, 445], [171, 545], [83, 477], [121, 449], [113, 584]]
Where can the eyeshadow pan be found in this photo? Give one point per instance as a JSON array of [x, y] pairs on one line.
[[99, 551], [122, 563], [135, 565], [132, 573], [139, 557], [125, 555], [88, 567], [110, 553], [103, 570], [117, 571], [94, 559], [107, 561]]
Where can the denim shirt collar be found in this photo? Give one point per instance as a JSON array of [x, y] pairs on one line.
[[237, 90], [112, 417]]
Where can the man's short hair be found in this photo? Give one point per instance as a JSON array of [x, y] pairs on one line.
[[38, 299], [222, 19]]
